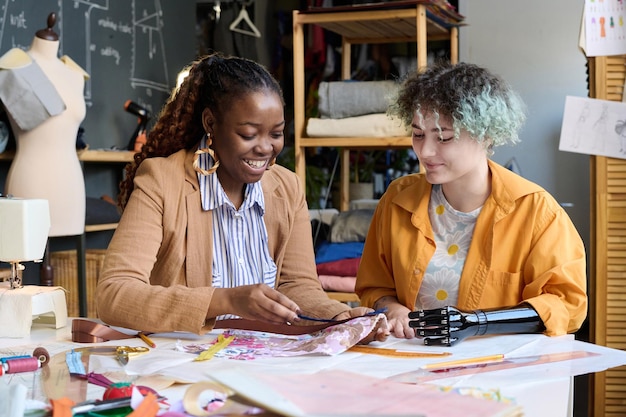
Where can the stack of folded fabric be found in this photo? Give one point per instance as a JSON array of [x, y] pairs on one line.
[[338, 256], [355, 109]]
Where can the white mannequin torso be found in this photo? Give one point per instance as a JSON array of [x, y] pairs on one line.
[[46, 164]]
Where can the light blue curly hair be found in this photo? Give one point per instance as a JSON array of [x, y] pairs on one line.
[[476, 100]]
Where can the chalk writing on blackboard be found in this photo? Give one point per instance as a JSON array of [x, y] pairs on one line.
[[108, 39], [87, 7], [127, 47], [148, 38]]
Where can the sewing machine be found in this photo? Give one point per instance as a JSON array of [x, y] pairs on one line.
[[24, 227]]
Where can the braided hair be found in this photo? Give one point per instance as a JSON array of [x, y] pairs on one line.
[[214, 82]]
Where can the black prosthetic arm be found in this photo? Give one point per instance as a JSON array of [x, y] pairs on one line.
[[448, 325]]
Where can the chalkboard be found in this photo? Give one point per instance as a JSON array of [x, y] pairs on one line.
[[132, 50]]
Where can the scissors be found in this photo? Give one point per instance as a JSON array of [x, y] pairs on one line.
[[122, 353]]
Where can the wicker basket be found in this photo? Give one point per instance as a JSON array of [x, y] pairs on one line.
[[65, 267], [5, 274]]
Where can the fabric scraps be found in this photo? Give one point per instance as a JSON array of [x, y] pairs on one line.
[[249, 345], [220, 344]]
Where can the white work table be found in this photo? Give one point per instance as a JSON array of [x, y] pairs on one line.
[[541, 390]]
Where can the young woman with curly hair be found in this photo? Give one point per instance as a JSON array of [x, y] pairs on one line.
[[468, 247]]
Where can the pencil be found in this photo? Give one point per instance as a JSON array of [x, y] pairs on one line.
[[146, 339], [468, 361]]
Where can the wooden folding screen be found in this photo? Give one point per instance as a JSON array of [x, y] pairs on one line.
[[607, 291]]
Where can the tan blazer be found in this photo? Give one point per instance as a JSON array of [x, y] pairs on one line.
[[157, 271]]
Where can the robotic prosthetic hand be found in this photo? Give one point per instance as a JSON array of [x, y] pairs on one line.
[[448, 325]]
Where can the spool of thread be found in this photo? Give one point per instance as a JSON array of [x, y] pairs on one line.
[[8, 358], [14, 366], [42, 355]]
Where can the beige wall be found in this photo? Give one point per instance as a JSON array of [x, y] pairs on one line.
[[534, 45]]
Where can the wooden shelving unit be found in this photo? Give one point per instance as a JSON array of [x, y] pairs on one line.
[[89, 156], [411, 23], [607, 284]]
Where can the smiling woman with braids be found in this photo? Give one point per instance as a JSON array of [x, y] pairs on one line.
[[211, 227]]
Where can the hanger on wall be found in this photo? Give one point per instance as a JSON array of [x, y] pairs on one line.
[[245, 18], [217, 8]]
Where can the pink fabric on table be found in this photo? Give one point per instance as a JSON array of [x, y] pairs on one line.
[[337, 283]]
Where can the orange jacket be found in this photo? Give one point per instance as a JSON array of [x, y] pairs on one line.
[[524, 248]]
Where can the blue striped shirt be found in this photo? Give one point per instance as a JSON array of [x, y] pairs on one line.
[[240, 244]]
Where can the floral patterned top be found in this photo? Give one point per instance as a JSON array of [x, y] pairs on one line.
[[453, 234]]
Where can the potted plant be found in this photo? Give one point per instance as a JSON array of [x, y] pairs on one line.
[[364, 166], [316, 178]]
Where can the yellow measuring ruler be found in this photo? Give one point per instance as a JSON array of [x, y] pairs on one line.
[[396, 353]]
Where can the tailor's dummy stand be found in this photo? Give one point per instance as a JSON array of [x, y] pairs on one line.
[[50, 139]]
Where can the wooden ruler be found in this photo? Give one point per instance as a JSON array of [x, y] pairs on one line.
[[396, 353]]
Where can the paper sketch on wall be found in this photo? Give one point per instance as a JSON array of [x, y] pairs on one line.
[[602, 28], [594, 127]]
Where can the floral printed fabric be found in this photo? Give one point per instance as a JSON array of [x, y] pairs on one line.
[[333, 340]]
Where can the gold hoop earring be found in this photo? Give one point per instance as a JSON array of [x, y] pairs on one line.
[[201, 151]]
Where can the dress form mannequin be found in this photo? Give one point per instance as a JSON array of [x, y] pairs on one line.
[[46, 164]]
